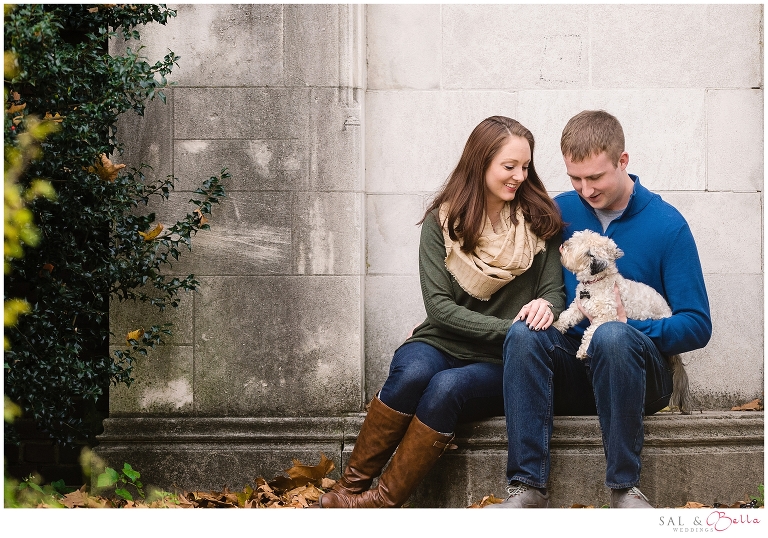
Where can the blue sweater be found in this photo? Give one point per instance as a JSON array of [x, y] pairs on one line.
[[659, 250]]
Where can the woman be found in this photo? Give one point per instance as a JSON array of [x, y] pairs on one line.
[[488, 257]]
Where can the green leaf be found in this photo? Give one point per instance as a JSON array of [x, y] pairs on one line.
[[130, 473], [124, 493], [108, 478]]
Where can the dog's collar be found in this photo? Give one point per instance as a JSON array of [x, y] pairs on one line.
[[588, 282]]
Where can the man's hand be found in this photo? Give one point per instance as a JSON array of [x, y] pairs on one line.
[[537, 314], [621, 314]]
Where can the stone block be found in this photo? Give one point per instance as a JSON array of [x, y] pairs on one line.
[[392, 233], [727, 228], [547, 46], [664, 130], [393, 307], [241, 113], [415, 139], [147, 138], [335, 141], [311, 44], [250, 234], [404, 46], [254, 165], [327, 233], [681, 46], [127, 316], [209, 454], [730, 370], [735, 146], [210, 39], [274, 346], [163, 385]]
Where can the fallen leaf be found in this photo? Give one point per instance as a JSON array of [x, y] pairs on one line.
[[200, 217], [16, 108], [327, 483], [134, 335], [76, 499], [149, 236], [106, 169], [56, 118], [311, 473], [754, 405], [693, 504]]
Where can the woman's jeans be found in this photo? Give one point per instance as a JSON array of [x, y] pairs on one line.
[[623, 378], [442, 390]]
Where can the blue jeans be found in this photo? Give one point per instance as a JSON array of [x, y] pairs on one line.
[[624, 378], [442, 390]]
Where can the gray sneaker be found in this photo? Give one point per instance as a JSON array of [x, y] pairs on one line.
[[523, 496], [629, 498]]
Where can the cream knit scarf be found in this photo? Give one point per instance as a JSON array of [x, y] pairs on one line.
[[498, 257]]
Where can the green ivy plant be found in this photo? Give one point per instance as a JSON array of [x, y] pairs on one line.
[[96, 239], [127, 476]]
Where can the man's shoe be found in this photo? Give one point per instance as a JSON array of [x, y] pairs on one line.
[[523, 496], [629, 498]]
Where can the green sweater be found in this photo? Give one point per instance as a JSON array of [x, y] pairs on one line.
[[468, 328]]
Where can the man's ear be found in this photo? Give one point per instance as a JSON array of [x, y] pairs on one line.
[[623, 161]]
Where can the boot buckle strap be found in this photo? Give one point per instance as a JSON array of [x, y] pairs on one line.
[[445, 446]]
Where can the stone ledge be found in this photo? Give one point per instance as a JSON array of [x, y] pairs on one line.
[[715, 456]]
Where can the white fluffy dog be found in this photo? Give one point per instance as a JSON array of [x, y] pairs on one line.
[[592, 258]]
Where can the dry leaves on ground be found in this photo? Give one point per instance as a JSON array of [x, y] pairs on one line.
[[754, 405]]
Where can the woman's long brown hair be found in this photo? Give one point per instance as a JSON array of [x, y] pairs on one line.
[[464, 191]]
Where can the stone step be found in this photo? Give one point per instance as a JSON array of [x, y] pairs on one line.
[[708, 457]]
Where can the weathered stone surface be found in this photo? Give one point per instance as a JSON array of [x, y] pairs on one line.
[[241, 113], [163, 385], [220, 45], [254, 165], [547, 46], [311, 44], [250, 234], [208, 454], [393, 234], [404, 46], [274, 346], [327, 233], [148, 138], [735, 140], [665, 133], [393, 307], [128, 316], [730, 369], [335, 140], [653, 46], [727, 228], [419, 136]]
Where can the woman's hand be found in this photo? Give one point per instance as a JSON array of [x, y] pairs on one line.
[[537, 314]]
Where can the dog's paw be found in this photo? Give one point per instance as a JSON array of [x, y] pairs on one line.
[[560, 327]]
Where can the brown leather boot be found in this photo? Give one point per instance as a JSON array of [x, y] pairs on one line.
[[382, 430], [417, 454]]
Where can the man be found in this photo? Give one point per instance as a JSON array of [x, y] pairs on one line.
[[625, 375]]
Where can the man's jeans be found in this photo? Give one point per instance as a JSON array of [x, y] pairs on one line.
[[623, 378], [440, 389]]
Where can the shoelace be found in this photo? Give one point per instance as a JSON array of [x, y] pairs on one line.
[[516, 489], [634, 492]]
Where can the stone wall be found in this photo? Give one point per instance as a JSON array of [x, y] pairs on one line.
[[338, 122]]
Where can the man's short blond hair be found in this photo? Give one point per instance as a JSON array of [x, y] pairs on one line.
[[592, 132]]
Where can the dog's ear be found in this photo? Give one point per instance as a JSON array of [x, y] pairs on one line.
[[596, 265]]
